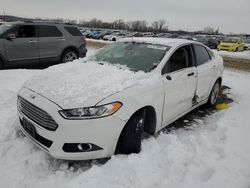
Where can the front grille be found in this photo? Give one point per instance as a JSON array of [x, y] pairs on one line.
[[36, 114], [37, 137]]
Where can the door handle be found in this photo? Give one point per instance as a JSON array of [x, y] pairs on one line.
[[191, 74], [62, 39], [32, 41]]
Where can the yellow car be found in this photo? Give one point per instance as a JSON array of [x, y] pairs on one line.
[[232, 44]]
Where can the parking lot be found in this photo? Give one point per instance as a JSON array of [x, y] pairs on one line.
[[206, 148]]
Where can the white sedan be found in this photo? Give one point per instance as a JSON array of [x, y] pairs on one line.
[[114, 36], [100, 106]]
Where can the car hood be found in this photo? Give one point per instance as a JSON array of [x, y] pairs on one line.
[[228, 43], [78, 84]]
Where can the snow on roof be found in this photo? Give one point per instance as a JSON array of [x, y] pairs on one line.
[[162, 41]]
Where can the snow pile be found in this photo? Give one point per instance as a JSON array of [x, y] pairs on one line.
[[98, 41], [71, 85], [236, 55]]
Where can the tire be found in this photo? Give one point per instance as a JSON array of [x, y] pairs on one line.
[[214, 94], [69, 56], [114, 39], [131, 136], [236, 50]]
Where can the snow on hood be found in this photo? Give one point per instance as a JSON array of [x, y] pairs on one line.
[[78, 84]]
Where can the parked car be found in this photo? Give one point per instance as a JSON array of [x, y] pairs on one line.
[[101, 34], [114, 36], [32, 43], [106, 102], [148, 34], [165, 35], [188, 37], [232, 44], [135, 34], [206, 40], [247, 44], [92, 34]]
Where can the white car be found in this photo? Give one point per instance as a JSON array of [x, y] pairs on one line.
[[114, 36], [100, 106]]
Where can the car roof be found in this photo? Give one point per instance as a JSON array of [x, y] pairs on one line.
[[39, 23], [160, 41]]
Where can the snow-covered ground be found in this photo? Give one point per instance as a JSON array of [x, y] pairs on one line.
[[213, 152], [237, 55]]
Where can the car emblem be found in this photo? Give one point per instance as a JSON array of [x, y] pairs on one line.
[[32, 96]]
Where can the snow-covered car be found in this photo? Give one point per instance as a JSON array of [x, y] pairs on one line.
[[100, 106], [114, 36]]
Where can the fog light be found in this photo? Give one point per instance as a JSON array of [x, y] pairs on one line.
[[84, 147], [80, 147]]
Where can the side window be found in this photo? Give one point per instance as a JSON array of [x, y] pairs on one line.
[[26, 31], [48, 31], [211, 54], [201, 55], [73, 31], [181, 59]]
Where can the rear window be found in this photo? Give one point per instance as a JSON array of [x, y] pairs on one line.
[[73, 31], [48, 31]]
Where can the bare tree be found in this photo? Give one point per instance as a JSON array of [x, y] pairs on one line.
[[159, 25], [119, 24], [139, 25], [208, 30]]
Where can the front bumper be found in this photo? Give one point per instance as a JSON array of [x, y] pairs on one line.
[[103, 132], [227, 48]]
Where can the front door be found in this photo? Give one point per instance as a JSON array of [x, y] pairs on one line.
[[179, 80], [24, 47]]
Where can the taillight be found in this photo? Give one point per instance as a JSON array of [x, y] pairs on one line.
[[83, 39]]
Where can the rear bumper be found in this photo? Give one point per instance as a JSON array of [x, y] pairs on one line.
[[83, 52], [102, 133]]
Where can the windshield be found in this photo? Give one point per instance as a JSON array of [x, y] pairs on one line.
[[231, 40], [135, 56], [4, 28], [247, 41]]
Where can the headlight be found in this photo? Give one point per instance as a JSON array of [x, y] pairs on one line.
[[91, 112]]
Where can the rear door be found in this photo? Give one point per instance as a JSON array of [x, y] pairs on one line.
[[179, 80], [206, 71], [51, 41], [24, 47]]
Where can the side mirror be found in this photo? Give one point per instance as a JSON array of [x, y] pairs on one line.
[[11, 36]]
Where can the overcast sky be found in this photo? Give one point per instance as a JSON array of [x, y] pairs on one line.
[[228, 15]]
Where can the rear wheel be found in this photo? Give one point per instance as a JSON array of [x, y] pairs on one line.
[[236, 50], [214, 94], [69, 56], [131, 136]]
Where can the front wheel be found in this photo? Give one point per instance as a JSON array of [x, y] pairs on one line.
[[214, 94], [69, 56], [131, 136]]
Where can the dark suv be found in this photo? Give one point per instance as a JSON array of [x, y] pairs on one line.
[[36, 42]]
